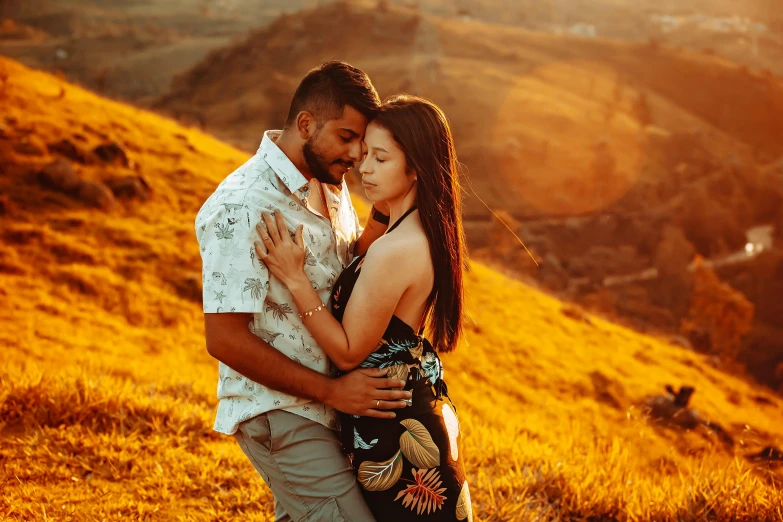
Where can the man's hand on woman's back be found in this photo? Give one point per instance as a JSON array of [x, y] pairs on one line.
[[367, 392]]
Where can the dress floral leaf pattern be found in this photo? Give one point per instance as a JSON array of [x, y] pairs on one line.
[[398, 371], [358, 442], [452, 428], [417, 445], [417, 351], [463, 504], [430, 367], [380, 476], [425, 494], [421, 438], [384, 354]]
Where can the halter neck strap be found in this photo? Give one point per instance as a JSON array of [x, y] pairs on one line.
[[407, 213]]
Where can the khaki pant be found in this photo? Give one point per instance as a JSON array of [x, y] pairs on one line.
[[303, 464]]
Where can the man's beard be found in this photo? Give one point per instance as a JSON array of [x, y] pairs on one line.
[[319, 167]]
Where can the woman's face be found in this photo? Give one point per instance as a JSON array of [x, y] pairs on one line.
[[385, 175]]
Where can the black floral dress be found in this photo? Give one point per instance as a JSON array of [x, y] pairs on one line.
[[409, 467]]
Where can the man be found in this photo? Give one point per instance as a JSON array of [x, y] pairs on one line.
[[277, 395]]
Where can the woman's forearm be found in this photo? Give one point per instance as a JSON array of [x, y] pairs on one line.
[[325, 329]]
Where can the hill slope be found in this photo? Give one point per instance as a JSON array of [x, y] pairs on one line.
[[131, 50], [548, 125], [594, 146], [107, 393]]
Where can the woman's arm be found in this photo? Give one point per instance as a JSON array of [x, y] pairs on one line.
[[378, 290], [366, 392]]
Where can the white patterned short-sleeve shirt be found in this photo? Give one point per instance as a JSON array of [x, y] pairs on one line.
[[235, 281]]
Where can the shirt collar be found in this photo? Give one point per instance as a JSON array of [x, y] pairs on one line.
[[280, 163]]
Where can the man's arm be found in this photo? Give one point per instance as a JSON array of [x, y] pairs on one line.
[[372, 230], [230, 341]]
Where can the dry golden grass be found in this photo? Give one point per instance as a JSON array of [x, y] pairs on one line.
[[107, 392]]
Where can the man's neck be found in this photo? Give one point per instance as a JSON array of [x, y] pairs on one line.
[[291, 147]]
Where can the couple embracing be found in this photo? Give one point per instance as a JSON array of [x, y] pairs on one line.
[[325, 378]]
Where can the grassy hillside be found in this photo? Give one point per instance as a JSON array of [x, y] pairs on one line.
[[127, 50], [107, 392]]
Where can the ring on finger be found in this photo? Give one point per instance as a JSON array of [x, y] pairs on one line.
[[377, 403]]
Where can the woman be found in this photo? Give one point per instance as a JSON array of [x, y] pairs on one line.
[[409, 467]]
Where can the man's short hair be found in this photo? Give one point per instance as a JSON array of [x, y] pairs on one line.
[[328, 88]]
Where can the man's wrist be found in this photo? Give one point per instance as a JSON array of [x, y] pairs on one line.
[[324, 390], [379, 216]]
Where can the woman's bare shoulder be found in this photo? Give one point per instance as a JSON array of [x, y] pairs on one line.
[[401, 251]]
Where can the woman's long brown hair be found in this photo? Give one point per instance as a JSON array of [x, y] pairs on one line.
[[422, 131]]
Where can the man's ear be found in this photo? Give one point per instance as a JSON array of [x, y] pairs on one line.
[[305, 125]]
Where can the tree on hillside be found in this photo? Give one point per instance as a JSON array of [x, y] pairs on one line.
[[672, 256], [718, 311], [641, 109], [674, 252], [708, 224], [602, 172]]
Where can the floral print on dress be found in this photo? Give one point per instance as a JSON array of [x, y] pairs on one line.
[[452, 428], [409, 468], [425, 494], [464, 510]]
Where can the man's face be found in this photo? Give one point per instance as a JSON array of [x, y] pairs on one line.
[[336, 146]]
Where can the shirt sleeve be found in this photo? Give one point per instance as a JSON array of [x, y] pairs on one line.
[[233, 278]]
